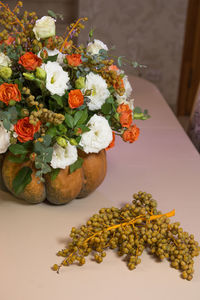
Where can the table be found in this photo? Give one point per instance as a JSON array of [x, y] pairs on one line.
[[163, 162]]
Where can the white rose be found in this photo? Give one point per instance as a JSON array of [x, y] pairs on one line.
[[63, 157], [99, 91], [4, 60], [4, 139], [57, 79], [95, 46], [44, 28], [99, 136], [60, 56]]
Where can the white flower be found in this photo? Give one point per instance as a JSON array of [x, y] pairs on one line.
[[127, 86], [95, 46], [4, 60], [99, 136], [99, 91], [57, 79], [63, 157], [5, 138], [60, 56], [44, 28]]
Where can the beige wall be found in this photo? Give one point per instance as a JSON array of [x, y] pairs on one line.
[[68, 8], [149, 31]]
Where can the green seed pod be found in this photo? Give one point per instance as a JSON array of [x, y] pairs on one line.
[[40, 73], [29, 76], [80, 83], [61, 141], [5, 72]]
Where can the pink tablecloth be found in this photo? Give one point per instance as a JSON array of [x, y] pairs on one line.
[[163, 162]]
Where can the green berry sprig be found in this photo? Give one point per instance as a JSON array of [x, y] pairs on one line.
[[130, 230]]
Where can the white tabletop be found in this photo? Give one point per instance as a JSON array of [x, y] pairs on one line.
[[163, 162]]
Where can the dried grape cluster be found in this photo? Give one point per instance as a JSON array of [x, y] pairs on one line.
[[130, 230]]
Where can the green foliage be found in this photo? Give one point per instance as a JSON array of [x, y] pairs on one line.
[[76, 165], [80, 117], [18, 149], [50, 58], [119, 61], [8, 117], [55, 15], [18, 159], [54, 173], [69, 120], [139, 115], [43, 158], [22, 179], [58, 99]]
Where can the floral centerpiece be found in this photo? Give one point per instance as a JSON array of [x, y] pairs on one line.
[[60, 107]]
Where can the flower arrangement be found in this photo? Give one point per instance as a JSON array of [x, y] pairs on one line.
[[57, 98]]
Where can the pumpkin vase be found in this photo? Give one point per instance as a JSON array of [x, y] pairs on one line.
[[65, 187]]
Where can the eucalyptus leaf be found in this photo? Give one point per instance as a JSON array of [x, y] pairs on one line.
[[6, 124]]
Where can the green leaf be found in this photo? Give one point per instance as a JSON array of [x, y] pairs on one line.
[[22, 179], [76, 165], [110, 100], [137, 110], [18, 159], [62, 129], [80, 117], [48, 154], [52, 131], [69, 120], [50, 58], [54, 173], [111, 90], [119, 61], [6, 124], [52, 14], [39, 148], [106, 108], [18, 149], [47, 140], [58, 99]]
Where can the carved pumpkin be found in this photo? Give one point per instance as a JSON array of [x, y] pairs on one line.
[[66, 186]]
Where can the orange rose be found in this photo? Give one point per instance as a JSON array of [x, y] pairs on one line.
[[9, 91], [25, 130], [131, 134], [75, 98], [123, 108], [74, 60], [113, 68], [126, 118], [30, 61], [112, 144]]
